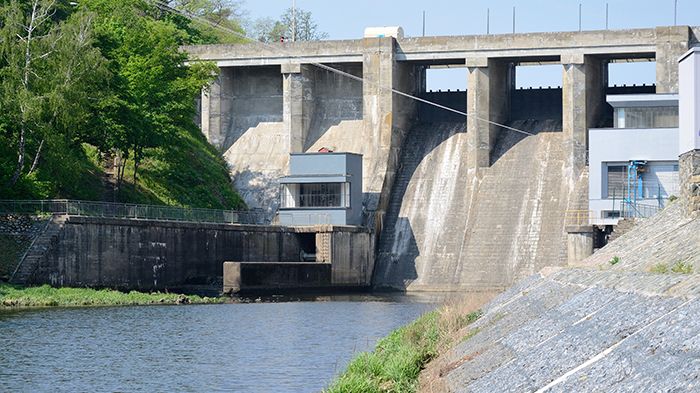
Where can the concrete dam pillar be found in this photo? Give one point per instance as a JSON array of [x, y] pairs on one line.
[[671, 43], [294, 113], [488, 90], [216, 104], [381, 154], [574, 116]]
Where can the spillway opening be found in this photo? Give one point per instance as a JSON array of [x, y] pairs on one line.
[[444, 84], [537, 94], [250, 96], [332, 104]]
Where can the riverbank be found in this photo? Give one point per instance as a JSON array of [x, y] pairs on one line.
[[396, 362], [13, 296]]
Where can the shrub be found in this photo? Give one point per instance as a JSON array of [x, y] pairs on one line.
[[614, 260]]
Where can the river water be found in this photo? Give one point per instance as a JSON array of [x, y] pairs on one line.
[[288, 346]]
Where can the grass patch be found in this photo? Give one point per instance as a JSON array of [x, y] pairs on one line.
[[12, 296], [679, 267], [614, 260], [682, 268], [397, 360]]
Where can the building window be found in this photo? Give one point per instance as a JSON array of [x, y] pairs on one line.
[[617, 181], [311, 195], [647, 117]]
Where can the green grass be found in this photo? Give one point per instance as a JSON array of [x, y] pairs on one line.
[[679, 267], [614, 260], [397, 360], [12, 296], [187, 172], [682, 268]]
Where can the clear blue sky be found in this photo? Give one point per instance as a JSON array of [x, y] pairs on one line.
[[347, 19]]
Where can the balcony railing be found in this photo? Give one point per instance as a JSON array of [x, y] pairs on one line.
[[131, 211]]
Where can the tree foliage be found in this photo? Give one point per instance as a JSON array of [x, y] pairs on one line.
[[103, 73], [292, 24], [49, 71], [212, 21]]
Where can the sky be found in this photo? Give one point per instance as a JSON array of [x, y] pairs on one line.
[[347, 20]]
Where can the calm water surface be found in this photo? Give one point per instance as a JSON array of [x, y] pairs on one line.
[[259, 347]]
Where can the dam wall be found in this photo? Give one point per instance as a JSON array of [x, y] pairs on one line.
[[446, 230], [455, 203]]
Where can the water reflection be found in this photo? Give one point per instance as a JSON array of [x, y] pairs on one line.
[[275, 344]]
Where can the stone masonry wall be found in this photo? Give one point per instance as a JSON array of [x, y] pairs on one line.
[[689, 172]]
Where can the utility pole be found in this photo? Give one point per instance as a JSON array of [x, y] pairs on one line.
[[607, 16], [488, 21], [294, 20], [579, 16], [675, 12], [513, 19], [423, 23]]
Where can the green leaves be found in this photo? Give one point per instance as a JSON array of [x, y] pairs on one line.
[[107, 73]]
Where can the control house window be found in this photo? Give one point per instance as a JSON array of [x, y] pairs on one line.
[[316, 195]]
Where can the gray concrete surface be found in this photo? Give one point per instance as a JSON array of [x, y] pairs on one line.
[[145, 254], [501, 192], [594, 327]]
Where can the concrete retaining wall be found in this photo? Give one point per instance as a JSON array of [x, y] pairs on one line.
[[272, 276], [140, 254]]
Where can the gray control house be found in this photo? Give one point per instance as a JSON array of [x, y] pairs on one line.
[[322, 188]]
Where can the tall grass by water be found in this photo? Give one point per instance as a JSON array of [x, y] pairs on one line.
[[398, 359], [12, 296]]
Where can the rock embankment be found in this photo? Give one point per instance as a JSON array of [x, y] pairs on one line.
[[594, 327]]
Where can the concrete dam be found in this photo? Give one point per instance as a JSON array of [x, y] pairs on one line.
[[454, 203]]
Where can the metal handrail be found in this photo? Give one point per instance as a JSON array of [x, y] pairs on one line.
[[131, 211], [638, 210], [579, 217]]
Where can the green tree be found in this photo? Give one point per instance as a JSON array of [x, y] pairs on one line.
[[153, 89], [49, 71], [298, 25], [210, 21]]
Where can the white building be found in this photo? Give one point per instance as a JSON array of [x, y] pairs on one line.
[[634, 165]]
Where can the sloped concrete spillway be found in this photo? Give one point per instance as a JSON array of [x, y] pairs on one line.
[[449, 229]]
